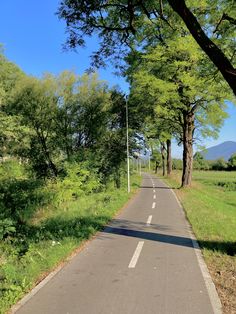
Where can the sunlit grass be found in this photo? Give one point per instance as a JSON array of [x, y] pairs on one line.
[[210, 205]]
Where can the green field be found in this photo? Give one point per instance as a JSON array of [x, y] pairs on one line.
[[51, 235], [210, 205]]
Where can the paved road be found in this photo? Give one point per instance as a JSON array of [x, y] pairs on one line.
[[142, 263]]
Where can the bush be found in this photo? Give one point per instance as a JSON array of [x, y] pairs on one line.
[[227, 185], [199, 163], [78, 180], [11, 169], [219, 164], [7, 227], [20, 198], [177, 164], [232, 162]]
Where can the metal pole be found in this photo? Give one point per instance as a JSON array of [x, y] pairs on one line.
[[140, 166], [127, 146]]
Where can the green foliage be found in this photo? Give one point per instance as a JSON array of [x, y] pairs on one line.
[[20, 198], [177, 164], [78, 181], [7, 227], [199, 163], [227, 185], [144, 23], [171, 80], [35, 103], [232, 162], [219, 164], [12, 168]]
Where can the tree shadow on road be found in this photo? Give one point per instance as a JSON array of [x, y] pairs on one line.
[[158, 187], [83, 227]]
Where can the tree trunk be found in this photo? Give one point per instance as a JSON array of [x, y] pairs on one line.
[[188, 129], [51, 165], [214, 52], [163, 159], [169, 159], [117, 178], [156, 166]]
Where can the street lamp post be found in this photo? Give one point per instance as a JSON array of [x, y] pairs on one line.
[[149, 161], [127, 146]]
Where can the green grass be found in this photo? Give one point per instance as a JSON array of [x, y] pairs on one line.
[[51, 235], [210, 205]]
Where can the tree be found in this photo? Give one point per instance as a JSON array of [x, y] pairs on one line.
[[35, 104], [11, 132], [131, 23], [83, 103], [232, 162], [171, 79], [199, 162]]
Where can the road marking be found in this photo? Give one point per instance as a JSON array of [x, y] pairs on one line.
[[153, 205], [136, 255], [149, 220], [154, 196], [154, 191]]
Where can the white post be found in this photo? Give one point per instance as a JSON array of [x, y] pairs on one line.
[[127, 146]]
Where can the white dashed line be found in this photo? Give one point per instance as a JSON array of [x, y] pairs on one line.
[[136, 255], [154, 196], [149, 220], [153, 205], [154, 191]]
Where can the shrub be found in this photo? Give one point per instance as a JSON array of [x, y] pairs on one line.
[[177, 164], [7, 226], [232, 162], [78, 180], [229, 186], [219, 164]]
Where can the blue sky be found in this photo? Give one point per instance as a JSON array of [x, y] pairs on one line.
[[33, 36]]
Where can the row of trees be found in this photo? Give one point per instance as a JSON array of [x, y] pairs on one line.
[[66, 118], [163, 48], [200, 163]]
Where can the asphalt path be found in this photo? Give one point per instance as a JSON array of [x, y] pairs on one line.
[[143, 262]]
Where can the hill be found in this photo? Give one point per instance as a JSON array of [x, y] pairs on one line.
[[223, 150]]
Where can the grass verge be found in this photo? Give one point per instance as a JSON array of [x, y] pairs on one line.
[[210, 206], [52, 235]]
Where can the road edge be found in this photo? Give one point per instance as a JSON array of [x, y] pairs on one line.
[[211, 289]]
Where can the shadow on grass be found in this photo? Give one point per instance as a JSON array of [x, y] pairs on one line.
[[21, 198], [58, 229], [228, 248]]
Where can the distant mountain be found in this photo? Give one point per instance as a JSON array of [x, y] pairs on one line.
[[224, 150]]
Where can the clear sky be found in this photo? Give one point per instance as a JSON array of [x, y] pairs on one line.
[[33, 36]]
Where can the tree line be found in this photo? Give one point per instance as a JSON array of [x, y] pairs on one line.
[[178, 56], [49, 122]]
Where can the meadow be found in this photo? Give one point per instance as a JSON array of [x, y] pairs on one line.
[[210, 206]]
